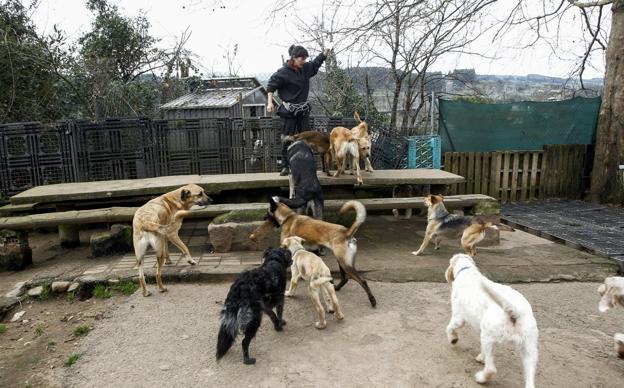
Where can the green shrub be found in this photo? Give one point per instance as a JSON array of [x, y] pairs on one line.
[[125, 287], [81, 330], [101, 291], [72, 359]]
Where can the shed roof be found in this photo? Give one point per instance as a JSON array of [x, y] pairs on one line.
[[211, 98]]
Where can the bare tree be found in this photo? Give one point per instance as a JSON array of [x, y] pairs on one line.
[[406, 36], [606, 184]]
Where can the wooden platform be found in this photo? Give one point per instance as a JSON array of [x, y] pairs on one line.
[[214, 184]]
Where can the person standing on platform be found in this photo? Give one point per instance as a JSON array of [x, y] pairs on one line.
[[292, 83]]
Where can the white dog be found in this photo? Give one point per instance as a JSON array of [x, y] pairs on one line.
[[612, 294], [499, 312]]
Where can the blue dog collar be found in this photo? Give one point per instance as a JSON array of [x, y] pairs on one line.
[[458, 272]]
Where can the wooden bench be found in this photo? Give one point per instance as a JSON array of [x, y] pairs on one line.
[[125, 214]]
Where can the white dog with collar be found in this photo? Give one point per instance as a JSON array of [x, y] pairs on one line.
[[499, 312]]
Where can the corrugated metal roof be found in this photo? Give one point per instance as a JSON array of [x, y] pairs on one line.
[[210, 98]]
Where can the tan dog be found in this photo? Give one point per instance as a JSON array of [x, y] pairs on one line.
[[351, 145], [443, 225], [316, 232], [311, 268], [612, 295], [159, 221], [319, 142]]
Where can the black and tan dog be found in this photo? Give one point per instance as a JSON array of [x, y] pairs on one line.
[[304, 184], [316, 232], [442, 225], [319, 142], [159, 221]]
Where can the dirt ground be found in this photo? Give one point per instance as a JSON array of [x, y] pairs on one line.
[[169, 339], [42, 340]]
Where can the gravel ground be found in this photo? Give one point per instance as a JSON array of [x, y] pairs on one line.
[[169, 340]]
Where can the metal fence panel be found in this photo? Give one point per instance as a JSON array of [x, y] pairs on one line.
[[114, 149], [33, 154]]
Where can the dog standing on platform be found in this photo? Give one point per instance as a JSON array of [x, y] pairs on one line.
[[157, 222], [351, 145], [304, 186], [319, 142]]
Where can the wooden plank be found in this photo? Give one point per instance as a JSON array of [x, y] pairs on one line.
[[214, 184], [470, 173], [563, 171], [505, 181], [462, 171], [534, 184], [496, 165], [486, 174], [514, 177], [125, 214], [524, 188], [477, 172], [545, 171], [456, 157]]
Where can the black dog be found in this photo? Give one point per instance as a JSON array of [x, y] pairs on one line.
[[254, 291], [305, 188]]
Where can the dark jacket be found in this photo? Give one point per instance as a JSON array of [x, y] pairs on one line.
[[294, 86]]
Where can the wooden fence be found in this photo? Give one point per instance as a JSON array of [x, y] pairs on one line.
[[515, 176]]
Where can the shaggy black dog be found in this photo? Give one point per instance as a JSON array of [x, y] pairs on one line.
[[305, 188], [253, 292]]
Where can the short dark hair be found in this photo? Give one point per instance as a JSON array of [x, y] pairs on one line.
[[297, 51]]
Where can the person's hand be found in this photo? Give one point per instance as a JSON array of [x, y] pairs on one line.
[[270, 107], [327, 51]]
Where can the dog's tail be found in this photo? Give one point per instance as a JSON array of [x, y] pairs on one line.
[[495, 225], [360, 215], [509, 308], [320, 280], [227, 331]]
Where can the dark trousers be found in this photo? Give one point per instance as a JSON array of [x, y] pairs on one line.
[[291, 125]]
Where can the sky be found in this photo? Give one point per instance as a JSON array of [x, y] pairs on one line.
[[217, 25]]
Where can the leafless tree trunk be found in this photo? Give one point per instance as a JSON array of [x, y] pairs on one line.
[[605, 185]]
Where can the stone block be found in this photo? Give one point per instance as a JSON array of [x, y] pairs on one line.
[[234, 236], [117, 240], [15, 254]]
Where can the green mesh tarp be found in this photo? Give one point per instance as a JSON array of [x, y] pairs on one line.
[[470, 127]]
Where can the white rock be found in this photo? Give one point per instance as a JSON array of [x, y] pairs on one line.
[[35, 291], [17, 316], [113, 281], [17, 290], [60, 286], [164, 367], [73, 287]]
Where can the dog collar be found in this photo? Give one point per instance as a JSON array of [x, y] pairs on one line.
[[461, 269]]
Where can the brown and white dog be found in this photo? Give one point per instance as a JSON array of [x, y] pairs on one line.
[[612, 295], [317, 232], [498, 312], [319, 142], [159, 221], [311, 268], [442, 225], [351, 145]]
